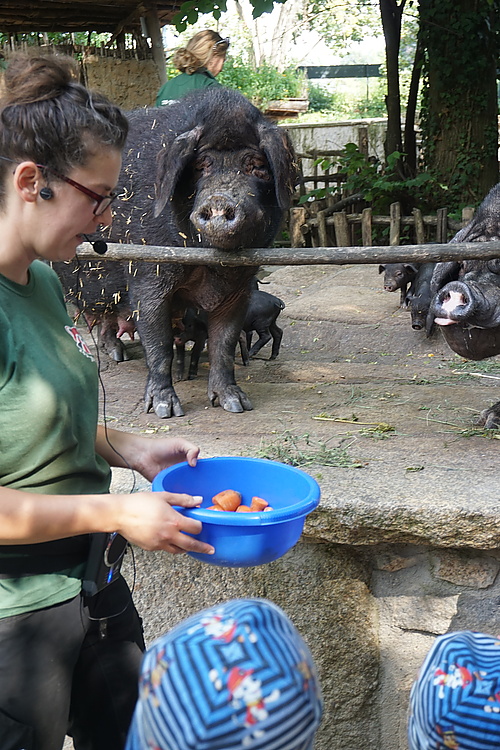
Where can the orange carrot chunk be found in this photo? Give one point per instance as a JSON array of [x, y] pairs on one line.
[[214, 507], [243, 509], [227, 499], [258, 504]]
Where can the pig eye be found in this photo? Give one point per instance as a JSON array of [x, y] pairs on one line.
[[256, 166], [203, 163], [494, 265]]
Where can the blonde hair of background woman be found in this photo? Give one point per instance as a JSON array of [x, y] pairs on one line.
[[198, 51]]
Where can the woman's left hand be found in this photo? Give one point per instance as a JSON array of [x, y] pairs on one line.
[[146, 455], [162, 452]]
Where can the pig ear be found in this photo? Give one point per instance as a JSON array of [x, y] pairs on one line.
[[381, 269], [277, 146], [443, 273], [171, 162]]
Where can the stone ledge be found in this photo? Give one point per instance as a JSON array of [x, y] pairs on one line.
[[441, 508]]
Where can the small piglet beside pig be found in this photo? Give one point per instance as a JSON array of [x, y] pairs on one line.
[[261, 317], [207, 171], [418, 299], [398, 276], [262, 313]]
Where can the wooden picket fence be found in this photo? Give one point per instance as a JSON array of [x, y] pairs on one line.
[[331, 227]]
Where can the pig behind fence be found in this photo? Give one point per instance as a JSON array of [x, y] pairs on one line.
[[208, 171]]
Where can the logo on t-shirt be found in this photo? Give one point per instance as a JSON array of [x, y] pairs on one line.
[[82, 346]]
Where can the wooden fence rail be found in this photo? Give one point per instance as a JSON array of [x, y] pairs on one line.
[[296, 256]]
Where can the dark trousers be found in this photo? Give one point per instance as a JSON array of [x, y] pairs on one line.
[[63, 672]]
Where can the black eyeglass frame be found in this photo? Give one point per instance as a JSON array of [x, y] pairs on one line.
[[103, 202]]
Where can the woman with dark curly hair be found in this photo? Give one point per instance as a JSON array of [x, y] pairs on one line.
[[70, 646]]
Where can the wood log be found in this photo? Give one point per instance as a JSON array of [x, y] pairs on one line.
[[273, 256]]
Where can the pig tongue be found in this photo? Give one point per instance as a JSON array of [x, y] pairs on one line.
[[444, 321]]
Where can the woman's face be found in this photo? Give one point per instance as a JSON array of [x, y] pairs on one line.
[[69, 214], [215, 64]]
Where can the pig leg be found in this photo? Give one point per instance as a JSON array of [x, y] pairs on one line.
[[155, 332], [264, 336], [180, 353], [245, 359], [110, 342], [224, 327], [196, 351], [490, 418], [277, 334]]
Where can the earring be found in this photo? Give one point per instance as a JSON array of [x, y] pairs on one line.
[[46, 194]]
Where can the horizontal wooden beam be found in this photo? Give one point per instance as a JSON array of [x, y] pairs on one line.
[[297, 256]]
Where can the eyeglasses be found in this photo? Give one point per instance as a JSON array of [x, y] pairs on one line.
[[221, 42], [103, 202]]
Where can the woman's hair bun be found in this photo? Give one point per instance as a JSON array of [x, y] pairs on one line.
[[31, 79]]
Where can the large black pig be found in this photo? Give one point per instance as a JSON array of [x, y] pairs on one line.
[[206, 171], [466, 301]]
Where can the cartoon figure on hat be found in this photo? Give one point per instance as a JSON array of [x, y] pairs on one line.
[[448, 734], [245, 689], [456, 677], [151, 679]]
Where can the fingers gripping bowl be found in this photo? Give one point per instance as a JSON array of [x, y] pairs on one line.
[[243, 540]]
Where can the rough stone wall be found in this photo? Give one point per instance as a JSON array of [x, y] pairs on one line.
[[129, 83], [324, 590], [422, 592]]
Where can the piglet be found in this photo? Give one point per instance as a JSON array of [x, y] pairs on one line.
[[419, 299], [263, 311], [398, 276]]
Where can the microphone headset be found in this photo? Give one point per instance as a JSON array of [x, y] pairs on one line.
[[98, 246]]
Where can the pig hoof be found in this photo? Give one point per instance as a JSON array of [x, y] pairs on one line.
[[490, 418], [233, 400], [165, 409]]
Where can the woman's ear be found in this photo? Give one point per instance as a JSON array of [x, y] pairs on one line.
[[28, 181]]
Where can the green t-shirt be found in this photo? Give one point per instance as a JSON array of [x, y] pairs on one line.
[[177, 87], [48, 419]]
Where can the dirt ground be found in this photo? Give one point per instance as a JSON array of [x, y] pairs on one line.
[[353, 387]]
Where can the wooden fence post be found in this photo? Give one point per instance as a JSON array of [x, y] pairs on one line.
[[297, 221], [322, 230], [419, 226], [442, 225], [342, 234], [395, 225], [366, 227], [467, 214]]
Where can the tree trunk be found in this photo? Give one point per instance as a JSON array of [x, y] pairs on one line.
[[459, 118], [410, 135], [391, 13]]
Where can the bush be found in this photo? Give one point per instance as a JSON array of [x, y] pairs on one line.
[[263, 84]]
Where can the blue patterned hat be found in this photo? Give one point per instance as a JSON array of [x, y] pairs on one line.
[[455, 702], [237, 676]]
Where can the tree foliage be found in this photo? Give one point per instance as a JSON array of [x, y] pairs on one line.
[[461, 42]]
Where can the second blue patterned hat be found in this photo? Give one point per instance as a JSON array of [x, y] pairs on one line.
[[237, 676], [455, 702]]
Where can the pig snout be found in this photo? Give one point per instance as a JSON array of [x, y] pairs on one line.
[[220, 218], [454, 303], [417, 321], [217, 213]]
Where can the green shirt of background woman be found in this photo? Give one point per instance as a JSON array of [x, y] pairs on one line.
[[199, 62]]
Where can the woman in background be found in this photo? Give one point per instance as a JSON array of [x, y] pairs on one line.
[[199, 62]]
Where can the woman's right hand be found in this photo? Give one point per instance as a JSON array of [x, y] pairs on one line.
[[148, 520]]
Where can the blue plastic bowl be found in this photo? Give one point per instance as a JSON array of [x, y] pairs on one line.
[[242, 540]]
